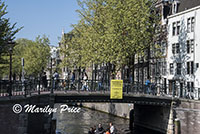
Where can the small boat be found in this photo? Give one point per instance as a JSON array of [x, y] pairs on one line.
[[60, 132]]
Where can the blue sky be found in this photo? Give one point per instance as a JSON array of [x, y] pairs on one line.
[[40, 17]]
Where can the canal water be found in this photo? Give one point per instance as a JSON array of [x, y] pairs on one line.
[[79, 123]]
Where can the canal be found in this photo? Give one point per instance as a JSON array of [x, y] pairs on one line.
[[79, 123]]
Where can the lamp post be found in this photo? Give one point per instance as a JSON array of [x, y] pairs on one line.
[[51, 76], [10, 67], [10, 74]]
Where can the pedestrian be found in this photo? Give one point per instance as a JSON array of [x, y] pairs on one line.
[[44, 80], [147, 84], [73, 76], [64, 84], [73, 79], [112, 128], [131, 79], [153, 88], [99, 85], [84, 82], [56, 79]]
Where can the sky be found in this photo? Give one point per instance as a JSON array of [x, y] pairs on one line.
[[40, 17]]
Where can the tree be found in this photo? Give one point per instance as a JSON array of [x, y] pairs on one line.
[[35, 54], [110, 31], [7, 33]]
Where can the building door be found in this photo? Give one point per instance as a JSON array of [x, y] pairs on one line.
[[181, 89], [165, 85], [172, 87]]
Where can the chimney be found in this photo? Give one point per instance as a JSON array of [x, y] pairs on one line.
[[175, 4]]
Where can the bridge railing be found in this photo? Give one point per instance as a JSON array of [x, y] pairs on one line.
[[31, 87]]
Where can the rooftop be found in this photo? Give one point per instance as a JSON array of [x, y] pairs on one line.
[[187, 4]]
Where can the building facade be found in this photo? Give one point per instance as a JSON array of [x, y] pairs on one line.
[[183, 73]]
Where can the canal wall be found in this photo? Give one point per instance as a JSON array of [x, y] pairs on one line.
[[154, 117], [11, 122], [117, 109], [148, 116], [188, 115], [23, 122]]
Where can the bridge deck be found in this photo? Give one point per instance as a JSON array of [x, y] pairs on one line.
[[98, 97]]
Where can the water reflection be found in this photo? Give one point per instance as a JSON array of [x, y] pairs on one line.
[[79, 123]]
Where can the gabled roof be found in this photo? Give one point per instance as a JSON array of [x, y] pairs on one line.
[[187, 4]]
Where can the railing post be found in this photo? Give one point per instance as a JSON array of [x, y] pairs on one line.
[[131, 120], [25, 90], [10, 90], [39, 85], [198, 94], [173, 90], [127, 88], [68, 82], [52, 85]]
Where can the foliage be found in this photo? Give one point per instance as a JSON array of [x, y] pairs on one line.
[[7, 30], [35, 54], [7, 33], [110, 31]]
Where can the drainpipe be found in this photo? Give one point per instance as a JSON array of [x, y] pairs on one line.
[[194, 63]]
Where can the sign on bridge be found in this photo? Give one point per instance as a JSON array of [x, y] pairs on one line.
[[116, 89]]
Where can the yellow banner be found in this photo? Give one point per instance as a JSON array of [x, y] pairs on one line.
[[116, 89]]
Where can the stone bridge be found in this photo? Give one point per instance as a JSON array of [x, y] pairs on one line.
[[165, 114]]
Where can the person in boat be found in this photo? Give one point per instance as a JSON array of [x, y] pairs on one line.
[[112, 128], [91, 131], [100, 130]]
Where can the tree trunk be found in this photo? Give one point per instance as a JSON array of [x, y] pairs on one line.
[[138, 85], [95, 75], [92, 78], [148, 66], [79, 78], [133, 68], [142, 82]]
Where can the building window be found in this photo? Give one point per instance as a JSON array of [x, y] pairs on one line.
[[173, 48], [190, 86], [197, 65], [190, 24], [190, 67], [178, 27], [190, 46], [177, 48], [136, 74], [171, 66], [164, 68], [178, 69], [159, 65], [163, 48], [174, 28]]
